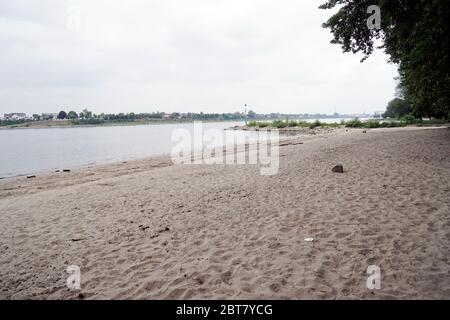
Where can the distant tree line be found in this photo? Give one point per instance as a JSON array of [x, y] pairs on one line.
[[87, 116], [90, 117]]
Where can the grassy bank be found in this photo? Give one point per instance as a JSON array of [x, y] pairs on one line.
[[291, 124], [354, 123], [15, 123]]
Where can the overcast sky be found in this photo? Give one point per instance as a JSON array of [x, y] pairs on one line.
[[178, 55]]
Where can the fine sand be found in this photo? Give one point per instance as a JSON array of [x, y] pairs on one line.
[[149, 229]]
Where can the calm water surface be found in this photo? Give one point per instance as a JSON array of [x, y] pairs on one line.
[[25, 151]]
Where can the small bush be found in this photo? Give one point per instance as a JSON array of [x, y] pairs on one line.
[[303, 124], [315, 124], [263, 124], [372, 124], [332, 125], [279, 124], [292, 123], [252, 123], [354, 123], [434, 121], [409, 119]]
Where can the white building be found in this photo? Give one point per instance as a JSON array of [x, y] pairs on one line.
[[15, 116]]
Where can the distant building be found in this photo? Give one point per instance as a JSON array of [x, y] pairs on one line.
[[14, 116]]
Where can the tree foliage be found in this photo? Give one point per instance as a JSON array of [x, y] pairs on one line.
[[397, 108], [72, 115], [62, 115], [251, 114], [86, 114], [414, 33]]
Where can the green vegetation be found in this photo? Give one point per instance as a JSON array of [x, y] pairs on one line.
[[291, 124], [415, 34], [251, 114], [397, 108], [369, 124], [410, 119], [86, 114], [332, 125], [4, 123], [431, 122], [303, 124], [87, 117], [315, 124], [62, 115], [263, 124], [372, 124], [354, 123], [279, 124], [72, 115], [88, 121]]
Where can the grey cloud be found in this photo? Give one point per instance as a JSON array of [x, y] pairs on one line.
[[176, 55]]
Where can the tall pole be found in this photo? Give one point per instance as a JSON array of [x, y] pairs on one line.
[[245, 114]]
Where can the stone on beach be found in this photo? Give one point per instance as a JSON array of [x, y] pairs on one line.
[[338, 168]]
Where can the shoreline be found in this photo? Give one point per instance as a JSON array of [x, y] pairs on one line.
[[283, 137], [57, 124], [305, 135], [148, 229]]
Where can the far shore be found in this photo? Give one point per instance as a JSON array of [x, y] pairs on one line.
[[70, 124], [281, 125]]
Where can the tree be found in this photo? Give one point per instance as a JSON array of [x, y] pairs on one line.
[[86, 114], [397, 108], [72, 115], [415, 36], [62, 115], [47, 116], [36, 117], [251, 114]]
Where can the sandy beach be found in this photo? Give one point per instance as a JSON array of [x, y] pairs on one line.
[[148, 229]]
